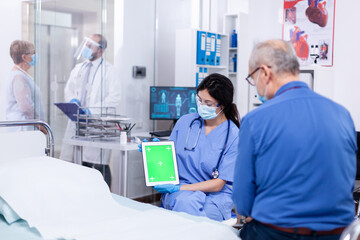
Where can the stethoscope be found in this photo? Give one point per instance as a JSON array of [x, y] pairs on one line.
[[215, 174], [82, 67]]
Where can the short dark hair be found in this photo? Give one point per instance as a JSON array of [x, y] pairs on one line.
[[102, 42]]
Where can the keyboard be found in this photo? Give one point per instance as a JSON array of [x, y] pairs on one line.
[[165, 133]]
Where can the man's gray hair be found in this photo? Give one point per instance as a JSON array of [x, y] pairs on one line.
[[278, 54]]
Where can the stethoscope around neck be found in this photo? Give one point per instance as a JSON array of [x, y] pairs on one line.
[[215, 174], [96, 70]]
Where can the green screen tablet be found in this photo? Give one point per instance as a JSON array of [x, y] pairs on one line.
[[160, 163]]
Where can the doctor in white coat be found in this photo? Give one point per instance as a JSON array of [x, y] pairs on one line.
[[92, 83]]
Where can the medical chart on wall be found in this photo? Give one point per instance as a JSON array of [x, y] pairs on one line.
[[309, 25]]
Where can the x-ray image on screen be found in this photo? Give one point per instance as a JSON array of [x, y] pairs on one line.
[[172, 102]]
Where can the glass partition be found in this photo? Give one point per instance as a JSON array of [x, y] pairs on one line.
[[57, 27]]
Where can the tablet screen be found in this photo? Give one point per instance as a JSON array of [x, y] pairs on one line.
[[160, 164]]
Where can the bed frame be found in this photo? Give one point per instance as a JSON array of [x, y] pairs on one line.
[[49, 150]]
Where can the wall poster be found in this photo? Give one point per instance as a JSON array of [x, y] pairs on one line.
[[309, 25]]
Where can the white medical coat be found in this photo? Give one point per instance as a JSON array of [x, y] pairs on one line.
[[103, 90]]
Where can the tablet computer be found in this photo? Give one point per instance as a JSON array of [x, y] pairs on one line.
[[160, 163]]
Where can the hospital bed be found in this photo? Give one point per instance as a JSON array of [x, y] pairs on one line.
[[46, 198]]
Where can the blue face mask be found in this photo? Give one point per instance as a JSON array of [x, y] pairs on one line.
[[261, 98], [87, 53], [207, 112], [34, 59]]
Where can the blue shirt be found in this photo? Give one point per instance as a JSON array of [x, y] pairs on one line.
[[297, 161]]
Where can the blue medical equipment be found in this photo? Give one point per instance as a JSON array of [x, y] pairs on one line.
[[235, 62], [215, 172], [234, 39]]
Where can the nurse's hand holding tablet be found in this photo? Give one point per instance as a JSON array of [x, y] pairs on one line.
[[160, 165]]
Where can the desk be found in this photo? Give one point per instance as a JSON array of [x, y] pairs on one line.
[[119, 180]]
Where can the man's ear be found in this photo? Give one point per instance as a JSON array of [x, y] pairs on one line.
[[100, 52], [267, 73]]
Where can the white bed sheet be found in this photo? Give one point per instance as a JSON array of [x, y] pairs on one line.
[[63, 200]]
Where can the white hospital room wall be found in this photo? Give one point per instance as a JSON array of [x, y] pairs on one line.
[[346, 58], [134, 29], [134, 44], [10, 19], [171, 15], [340, 82]]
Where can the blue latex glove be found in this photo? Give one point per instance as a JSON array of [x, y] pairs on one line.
[[145, 140], [85, 111], [167, 188], [75, 100]]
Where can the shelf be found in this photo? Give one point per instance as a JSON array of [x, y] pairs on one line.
[[232, 48], [219, 33], [233, 73], [187, 70], [211, 66]]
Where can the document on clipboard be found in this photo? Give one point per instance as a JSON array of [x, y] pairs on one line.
[[70, 110]]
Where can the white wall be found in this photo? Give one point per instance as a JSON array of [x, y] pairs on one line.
[[171, 15], [134, 45], [11, 18], [339, 82], [346, 63], [134, 31]]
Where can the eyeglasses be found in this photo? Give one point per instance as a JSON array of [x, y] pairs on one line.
[[208, 103], [250, 80]]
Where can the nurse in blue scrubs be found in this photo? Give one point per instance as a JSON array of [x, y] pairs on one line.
[[206, 146]]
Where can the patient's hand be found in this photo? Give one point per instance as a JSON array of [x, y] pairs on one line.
[[42, 129], [248, 219]]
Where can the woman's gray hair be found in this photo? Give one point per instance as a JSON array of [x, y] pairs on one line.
[[18, 48], [278, 54]]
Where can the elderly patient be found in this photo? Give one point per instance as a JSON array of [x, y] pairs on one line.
[[23, 98], [295, 170]]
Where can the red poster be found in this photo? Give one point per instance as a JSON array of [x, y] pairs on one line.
[[309, 25]]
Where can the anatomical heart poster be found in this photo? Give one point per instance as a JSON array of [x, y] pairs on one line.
[[309, 25]]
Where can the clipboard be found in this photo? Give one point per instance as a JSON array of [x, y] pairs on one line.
[[70, 110]]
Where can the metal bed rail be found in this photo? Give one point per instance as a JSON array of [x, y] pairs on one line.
[[49, 134]]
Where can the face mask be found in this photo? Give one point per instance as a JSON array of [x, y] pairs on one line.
[[207, 112], [34, 60], [87, 53], [261, 98]]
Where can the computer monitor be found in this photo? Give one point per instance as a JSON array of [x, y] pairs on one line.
[[170, 103]]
